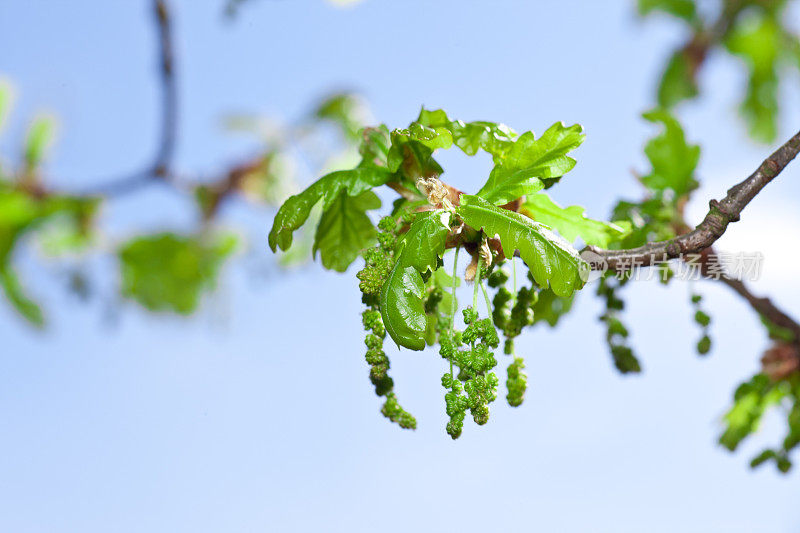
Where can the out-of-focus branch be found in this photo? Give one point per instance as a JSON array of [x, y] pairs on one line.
[[711, 268], [159, 169], [762, 305], [720, 214]]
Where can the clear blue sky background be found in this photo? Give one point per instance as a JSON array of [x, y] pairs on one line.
[[257, 414]]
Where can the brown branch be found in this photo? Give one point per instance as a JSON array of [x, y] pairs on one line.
[[763, 306], [712, 269], [159, 168], [720, 214]]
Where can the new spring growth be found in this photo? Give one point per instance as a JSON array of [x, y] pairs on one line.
[[436, 192]]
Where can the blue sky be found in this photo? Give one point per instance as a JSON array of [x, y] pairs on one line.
[[257, 414]]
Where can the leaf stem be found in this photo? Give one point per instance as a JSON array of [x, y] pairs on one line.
[[477, 283], [488, 301], [453, 305]]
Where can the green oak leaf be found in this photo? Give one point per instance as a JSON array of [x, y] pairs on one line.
[[401, 299], [551, 259], [374, 147], [529, 161], [672, 158], [760, 106], [295, 210], [550, 308], [571, 222], [170, 272], [678, 82], [345, 110], [758, 41], [345, 230], [470, 137], [750, 401], [20, 214], [411, 152], [649, 220]]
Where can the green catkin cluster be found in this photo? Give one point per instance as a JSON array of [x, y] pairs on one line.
[[703, 320], [616, 333], [511, 314], [379, 261], [517, 382], [475, 385]]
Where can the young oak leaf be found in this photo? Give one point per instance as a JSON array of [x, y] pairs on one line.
[[571, 222], [411, 151], [401, 299], [550, 258], [470, 137], [530, 161], [672, 158], [758, 41], [345, 229], [295, 210], [678, 81], [750, 401], [22, 213]]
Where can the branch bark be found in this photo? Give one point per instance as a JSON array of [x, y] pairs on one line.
[[720, 214]]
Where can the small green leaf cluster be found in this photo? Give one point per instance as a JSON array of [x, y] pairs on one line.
[[61, 223], [755, 31], [402, 278], [669, 184], [751, 400], [170, 272], [703, 320]]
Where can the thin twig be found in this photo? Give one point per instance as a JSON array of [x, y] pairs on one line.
[[159, 168], [720, 214]]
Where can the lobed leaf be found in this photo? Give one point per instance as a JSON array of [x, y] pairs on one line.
[[758, 41], [345, 230], [571, 222], [672, 158], [470, 137], [295, 211], [551, 260], [678, 81], [529, 161], [550, 308], [751, 400], [22, 213]]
